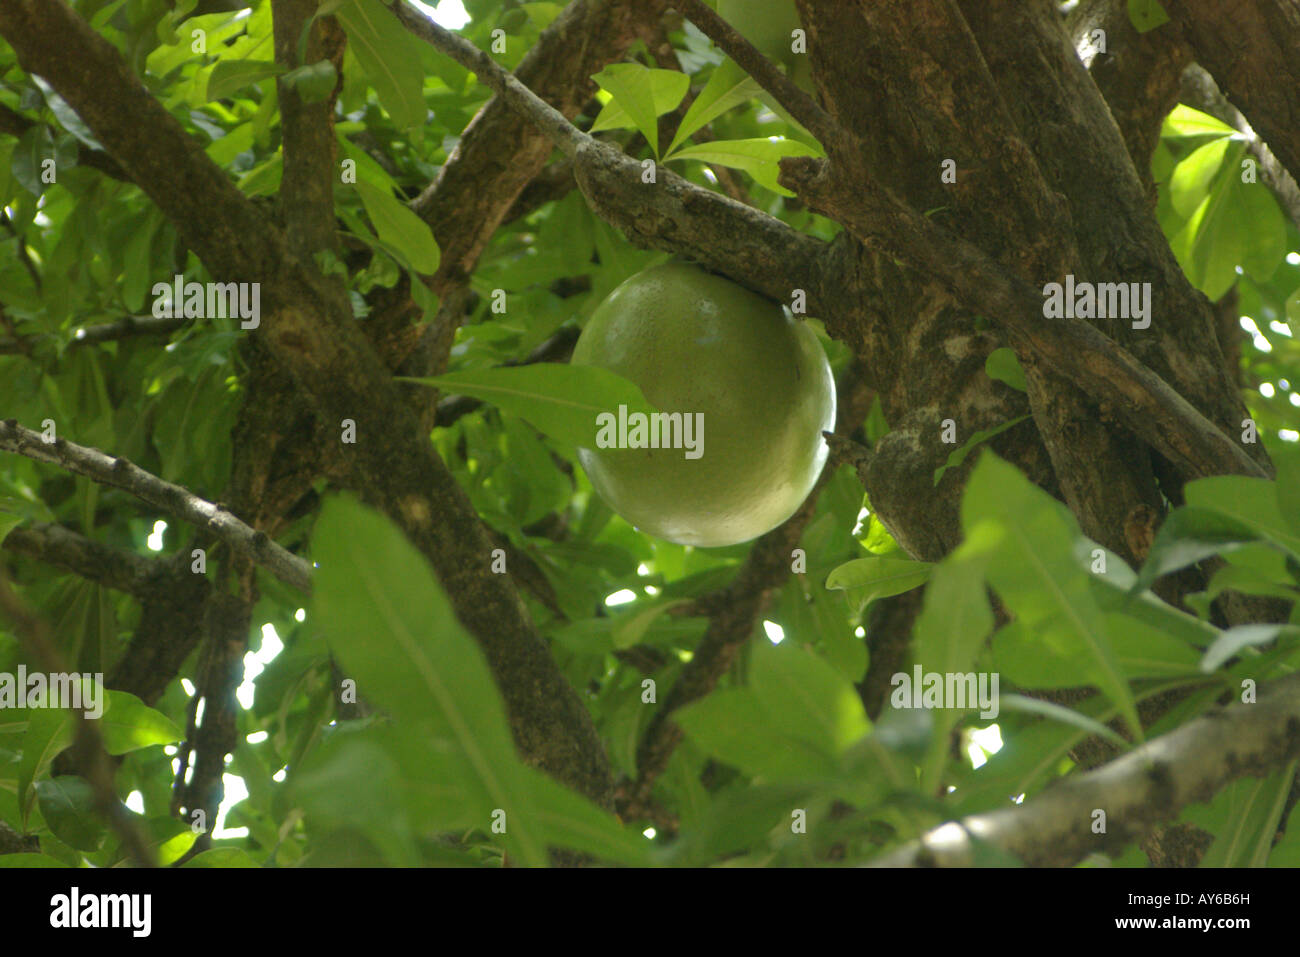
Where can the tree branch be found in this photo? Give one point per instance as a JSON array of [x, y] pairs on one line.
[[108, 566], [1199, 90], [474, 191], [754, 249], [308, 328], [1150, 784], [1070, 347], [795, 101], [173, 500], [1252, 49]]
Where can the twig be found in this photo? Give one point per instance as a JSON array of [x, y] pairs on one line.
[[1150, 784], [128, 326], [108, 566], [34, 634], [171, 499]]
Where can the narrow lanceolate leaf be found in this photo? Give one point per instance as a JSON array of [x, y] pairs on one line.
[[955, 619], [729, 86], [390, 57], [979, 438], [391, 625], [401, 229], [1232, 641], [1058, 625], [866, 579], [759, 157], [389, 622], [561, 400]]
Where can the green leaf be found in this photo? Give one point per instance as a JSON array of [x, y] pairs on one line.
[[67, 805], [352, 781], [1265, 239], [1287, 486], [222, 857], [736, 729], [958, 456], [390, 57], [1003, 366], [1145, 651], [1243, 636], [728, 86], [405, 232], [807, 697], [642, 95], [313, 82], [230, 76], [570, 820], [1035, 572], [631, 627], [1250, 501], [30, 860], [1244, 818], [1146, 15], [758, 157], [1056, 712], [1194, 176], [388, 621], [49, 731], [1183, 121], [1187, 536], [129, 724], [866, 579], [955, 617], [34, 148], [561, 400]]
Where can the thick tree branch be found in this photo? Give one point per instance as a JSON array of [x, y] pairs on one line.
[[1252, 49], [1137, 73], [94, 561], [1073, 349], [172, 500], [307, 187], [1145, 787]]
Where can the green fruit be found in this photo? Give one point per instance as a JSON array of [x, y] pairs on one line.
[[698, 343]]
